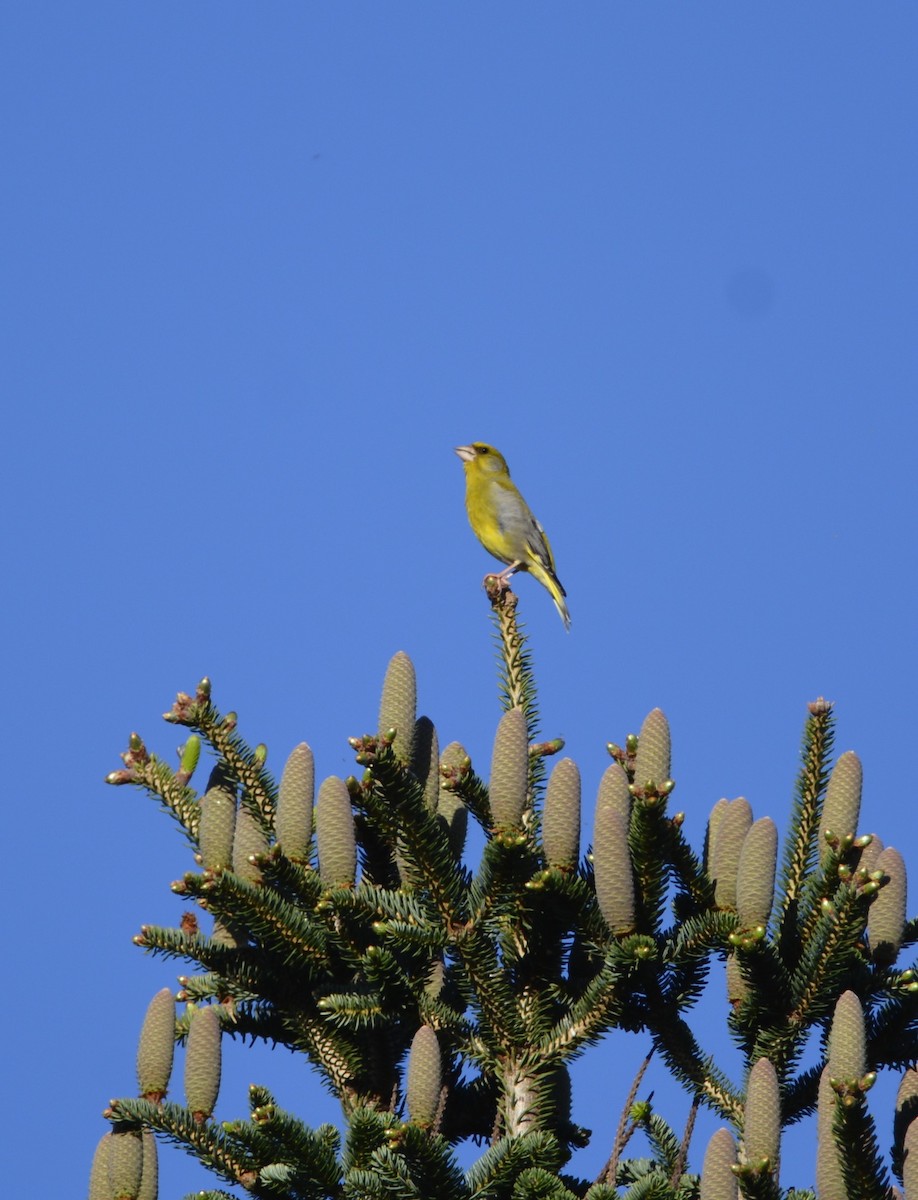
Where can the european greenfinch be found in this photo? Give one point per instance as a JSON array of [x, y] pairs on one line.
[[503, 522]]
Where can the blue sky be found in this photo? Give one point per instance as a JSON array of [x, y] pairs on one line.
[[266, 265]]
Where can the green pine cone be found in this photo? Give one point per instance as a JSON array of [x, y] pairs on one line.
[[715, 817], [906, 1113], [847, 1057], [842, 806], [652, 762], [436, 978], [762, 1120], [830, 1182], [453, 758], [125, 1164], [561, 816], [717, 1179], [728, 845], [225, 934], [425, 761], [910, 1162], [453, 812], [215, 829], [886, 920], [98, 1173], [335, 834], [907, 1095], [203, 1062], [450, 809], [737, 988], [398, 706], [614, 790], [509, 770], [149, 1179], [612, 870], [248, 840], [755, 876], [295, 798], [157, 1047], [425, 1077]]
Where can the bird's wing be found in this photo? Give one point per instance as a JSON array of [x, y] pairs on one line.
[[523, 537], [539, 546], [522, 542]]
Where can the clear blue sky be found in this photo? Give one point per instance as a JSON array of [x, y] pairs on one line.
[[266, 265]]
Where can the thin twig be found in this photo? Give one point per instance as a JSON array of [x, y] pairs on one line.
[[623, 1132], [686, 1138]]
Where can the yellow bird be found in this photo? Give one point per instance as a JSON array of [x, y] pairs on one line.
[[503, 522]]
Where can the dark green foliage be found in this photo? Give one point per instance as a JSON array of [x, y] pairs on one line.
[[861, 1165], [343, 941], [801, 849]]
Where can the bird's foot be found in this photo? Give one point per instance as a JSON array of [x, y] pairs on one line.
[[496, 583], [503, 576], [498, 590], [500, 594]]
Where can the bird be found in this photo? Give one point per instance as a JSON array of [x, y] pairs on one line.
[[504, 523]]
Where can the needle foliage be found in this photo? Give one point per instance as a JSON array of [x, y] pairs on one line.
[[443, 1001]]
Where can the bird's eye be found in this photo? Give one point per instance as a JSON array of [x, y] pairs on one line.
[[482, 449]]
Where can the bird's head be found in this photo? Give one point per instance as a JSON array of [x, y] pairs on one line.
[[479, 456]]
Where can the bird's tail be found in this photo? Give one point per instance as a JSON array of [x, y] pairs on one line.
[[550, 580]]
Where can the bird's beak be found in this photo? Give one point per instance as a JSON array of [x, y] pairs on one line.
[[466, 453]]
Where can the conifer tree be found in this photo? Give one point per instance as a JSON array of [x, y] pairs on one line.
[[443, 1002]]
